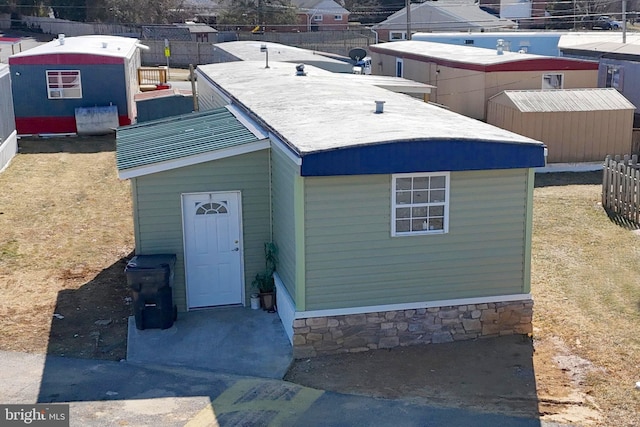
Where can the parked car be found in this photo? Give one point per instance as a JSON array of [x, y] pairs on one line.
[[603, 22]]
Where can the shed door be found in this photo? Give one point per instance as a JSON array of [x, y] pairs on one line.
[[213, 261]]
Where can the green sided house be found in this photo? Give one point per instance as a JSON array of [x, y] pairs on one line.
[[397, 222]]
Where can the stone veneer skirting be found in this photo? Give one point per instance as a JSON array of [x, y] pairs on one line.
[[363, 332]]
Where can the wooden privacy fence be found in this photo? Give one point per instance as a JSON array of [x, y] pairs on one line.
[[621, 187]]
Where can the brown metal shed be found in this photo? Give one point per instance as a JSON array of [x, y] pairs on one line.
[[577, 125]]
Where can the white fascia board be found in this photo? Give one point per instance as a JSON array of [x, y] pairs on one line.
[[247, 122], [194, 160], [410, 306], [260, 132], [277, 143]]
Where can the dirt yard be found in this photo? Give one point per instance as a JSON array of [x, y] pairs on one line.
[[66, 233], [65, 236], [512, 375]]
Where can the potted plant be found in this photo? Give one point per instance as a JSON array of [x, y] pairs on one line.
[[264, 282]]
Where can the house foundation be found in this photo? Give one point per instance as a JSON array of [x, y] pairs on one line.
[[354, 333]]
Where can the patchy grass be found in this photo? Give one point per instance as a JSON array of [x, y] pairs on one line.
[[65, 221], [586, 284], [9, 250]]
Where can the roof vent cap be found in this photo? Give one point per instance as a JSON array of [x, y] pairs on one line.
[[61, 39], [300, 70], [379, 107]]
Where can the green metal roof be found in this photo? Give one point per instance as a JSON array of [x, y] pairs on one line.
[[179, 137]]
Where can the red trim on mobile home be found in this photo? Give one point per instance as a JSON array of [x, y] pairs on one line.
[[66, 59], [515, 64], [45, 125]]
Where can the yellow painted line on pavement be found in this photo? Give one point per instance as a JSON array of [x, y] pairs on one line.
[[238, 399], [204, 418]]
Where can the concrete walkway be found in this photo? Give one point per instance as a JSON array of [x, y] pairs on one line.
[[234, 340], [110, 393]]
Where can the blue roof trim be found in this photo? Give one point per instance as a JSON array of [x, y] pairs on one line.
[[423, 156]]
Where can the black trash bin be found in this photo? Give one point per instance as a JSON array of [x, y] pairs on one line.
[[150, 278]]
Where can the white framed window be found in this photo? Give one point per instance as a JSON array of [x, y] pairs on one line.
[[614, 77], [552, 81], [420, 204], [317, 18], [399, 67], [337, 17], [397, 35], [64, 84], [211, 208]]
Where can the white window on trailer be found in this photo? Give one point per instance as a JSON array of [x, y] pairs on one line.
[[64, 84], [614, 77], [420, 204], [552, 81], [337, 17], [317, 18], [397, 35]]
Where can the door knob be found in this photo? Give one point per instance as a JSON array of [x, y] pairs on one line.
[[236, 249]]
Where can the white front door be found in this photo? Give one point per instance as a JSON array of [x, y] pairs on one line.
[[212, 252]]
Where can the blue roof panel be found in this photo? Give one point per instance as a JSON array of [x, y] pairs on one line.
[[423, 156]]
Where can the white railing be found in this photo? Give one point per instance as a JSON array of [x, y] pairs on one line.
[[8, 149]]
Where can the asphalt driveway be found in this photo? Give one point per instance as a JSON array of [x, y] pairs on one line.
[[110, 393]]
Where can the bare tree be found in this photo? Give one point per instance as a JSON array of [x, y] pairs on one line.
[[23, 7], [257, 12], [364, 11], [120, 11], [142, 11], [593, 7]]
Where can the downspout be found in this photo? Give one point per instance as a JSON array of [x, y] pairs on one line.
[[270, 194], [375, 33], [310, 18]]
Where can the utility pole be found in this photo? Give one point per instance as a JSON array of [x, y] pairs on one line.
[[408, 7], [624, 21]]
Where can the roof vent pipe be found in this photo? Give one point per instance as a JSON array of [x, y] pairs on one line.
[[61, 38], [379, 107], [104, 45], [300, 70], [500, 47], [263, 48]]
